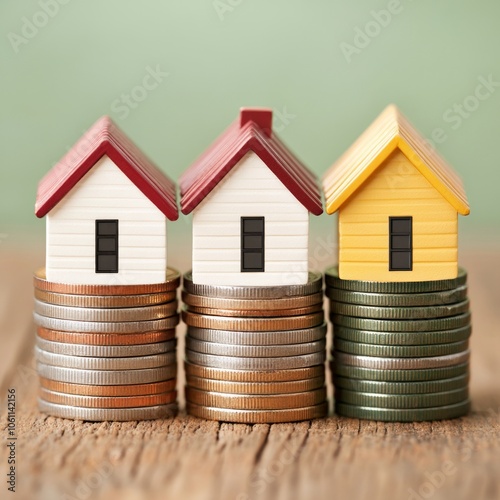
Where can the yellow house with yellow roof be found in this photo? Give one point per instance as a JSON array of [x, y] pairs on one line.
[[398, 203]]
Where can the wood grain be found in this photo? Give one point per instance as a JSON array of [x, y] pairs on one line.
[[188, 458]]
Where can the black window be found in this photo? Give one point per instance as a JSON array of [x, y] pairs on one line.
[[106, 246], [252, 244], [400, 244]]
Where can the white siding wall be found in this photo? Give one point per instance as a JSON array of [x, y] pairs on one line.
[[106, 193], [250, 189]]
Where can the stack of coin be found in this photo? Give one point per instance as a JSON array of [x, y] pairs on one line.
[[107, 352], [400, 350], [255, 354]]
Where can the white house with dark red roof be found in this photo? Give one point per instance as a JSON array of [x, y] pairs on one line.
[[106, 206], [251, 200]]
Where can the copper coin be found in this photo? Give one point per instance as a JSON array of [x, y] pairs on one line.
[[252, 304], [254, 376], [107, 402], [224, 386], [258, 416], [172, 281], [104, 301], [106, 338], [109, 390], [252, 324], [256, 313], [256, 402]]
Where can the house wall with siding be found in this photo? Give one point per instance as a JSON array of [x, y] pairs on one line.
[[105, 192], [397, 189], [250, 189]]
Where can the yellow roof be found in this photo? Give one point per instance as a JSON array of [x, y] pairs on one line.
[[389, 131]]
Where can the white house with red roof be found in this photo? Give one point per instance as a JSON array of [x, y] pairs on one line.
[[106, 205], [251, 199]]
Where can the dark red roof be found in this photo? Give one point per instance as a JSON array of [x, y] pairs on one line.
[[105, 138], [251, 132]]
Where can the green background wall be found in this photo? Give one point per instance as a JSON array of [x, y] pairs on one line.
[[64, 63]]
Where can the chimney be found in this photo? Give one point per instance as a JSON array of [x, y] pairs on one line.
[[262, 117]]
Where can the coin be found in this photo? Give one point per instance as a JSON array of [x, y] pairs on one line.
[[314, 285], [376, 386], [172, 281], [100, 327], [106, 315], [108, 414], [105, 339], [214, 302], [332, 280], [258, 416], [238, 363], [225, 386], [400, 313], [252, 324], [256, 313], [106, 351], [104, 301], [409, 415], [402, 363], [106, 377], [250, 351], [401, 401], [415, 325], [109, 390], [258, 338], [272, 375], [387, 375], [255, 402], [398, 299], [402, 338], [107, 402], [93, 363], [400, 351]]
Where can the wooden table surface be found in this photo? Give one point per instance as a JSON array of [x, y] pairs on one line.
[[189, 458]]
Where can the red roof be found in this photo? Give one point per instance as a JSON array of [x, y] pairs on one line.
[[105, 138], [251, 132]]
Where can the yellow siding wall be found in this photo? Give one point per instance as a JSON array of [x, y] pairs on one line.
[[397, 189]]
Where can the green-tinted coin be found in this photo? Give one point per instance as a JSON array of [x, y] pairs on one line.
[[398, 325], [380, 387], [401, 313], [413, 415], [400, 401], [402, 338], [399, 351], [332, 279], [358, 372], [398, 299]]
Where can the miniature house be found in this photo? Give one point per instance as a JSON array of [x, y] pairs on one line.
[[251, 200], [398, 204], [106, 206]]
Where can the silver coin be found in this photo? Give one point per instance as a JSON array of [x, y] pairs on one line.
[[108, 414], [106, 377], [401, 363], [87, 363], [258, 338], [314, 285], [110, 315], [106, 351], [398, 299], [255, 364], [101, 327], [250, 351], [400, 313]]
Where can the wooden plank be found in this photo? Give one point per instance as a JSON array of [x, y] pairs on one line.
[[190, 458]]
